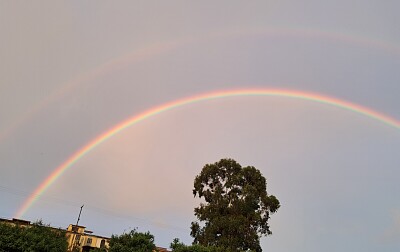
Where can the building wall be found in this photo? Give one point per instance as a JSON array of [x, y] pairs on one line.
[[84, 240]]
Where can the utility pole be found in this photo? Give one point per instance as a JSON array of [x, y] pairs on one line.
[[75, 230]]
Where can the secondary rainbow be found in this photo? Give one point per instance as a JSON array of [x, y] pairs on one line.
[[314, 97], [157, 49]]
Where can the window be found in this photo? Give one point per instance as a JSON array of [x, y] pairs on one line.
[[77, 239], [89, 241]]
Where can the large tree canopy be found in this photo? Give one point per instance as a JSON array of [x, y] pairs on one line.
[[237, 206]]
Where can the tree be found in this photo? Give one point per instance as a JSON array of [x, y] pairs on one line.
[[237, 206], [99, 250], [177, 246], [35, 237], [132, 242]]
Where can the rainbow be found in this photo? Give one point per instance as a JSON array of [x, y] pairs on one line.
[[157, 49], [314, 97]]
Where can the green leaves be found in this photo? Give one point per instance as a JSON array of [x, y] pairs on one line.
[[237, 206], [177, 246], [132, 242], [37, 237]]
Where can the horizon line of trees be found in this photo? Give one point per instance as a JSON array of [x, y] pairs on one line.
[[42, 237]]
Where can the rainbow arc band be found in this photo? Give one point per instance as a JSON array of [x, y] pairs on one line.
[[157, 49], [314, 97]]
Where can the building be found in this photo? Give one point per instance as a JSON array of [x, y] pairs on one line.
[[15, 221], [84, 240]]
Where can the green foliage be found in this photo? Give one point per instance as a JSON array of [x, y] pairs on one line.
[[132, 242], [37, 237], [177, 246], [99, 250], [237, 207]]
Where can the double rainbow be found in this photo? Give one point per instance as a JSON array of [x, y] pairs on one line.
[[314, 97]]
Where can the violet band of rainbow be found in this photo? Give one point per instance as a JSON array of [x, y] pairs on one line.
[[314, 97]]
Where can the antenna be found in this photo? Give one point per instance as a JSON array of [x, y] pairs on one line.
[[79, 216], [75, 242]]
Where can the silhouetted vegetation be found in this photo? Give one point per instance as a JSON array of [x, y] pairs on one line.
[[236, 210], [132, 242], [35, 237], [177, 246]]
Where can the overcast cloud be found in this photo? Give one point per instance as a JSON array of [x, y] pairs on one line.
[[70, 70]]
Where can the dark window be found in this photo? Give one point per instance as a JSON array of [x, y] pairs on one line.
[[102, 243], [89, 241]]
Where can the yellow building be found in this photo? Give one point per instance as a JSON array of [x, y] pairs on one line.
[[84, 240]]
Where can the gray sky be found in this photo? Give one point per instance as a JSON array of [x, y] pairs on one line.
[[71, 70]]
